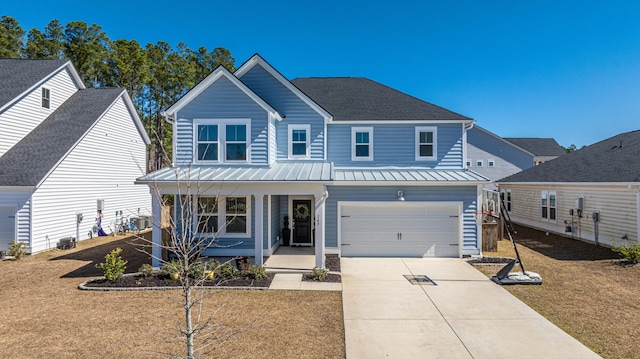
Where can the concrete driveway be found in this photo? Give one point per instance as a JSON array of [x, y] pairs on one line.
[[462, 314]]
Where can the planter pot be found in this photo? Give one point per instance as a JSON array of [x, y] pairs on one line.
[[286, 235]]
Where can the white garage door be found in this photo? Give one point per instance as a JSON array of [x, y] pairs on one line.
[[399, 230], [7, 226]]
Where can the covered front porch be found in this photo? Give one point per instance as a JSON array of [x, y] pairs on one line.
[[245, 215]]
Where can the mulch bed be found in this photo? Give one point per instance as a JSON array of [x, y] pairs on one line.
[[332, 262], [162, 280]]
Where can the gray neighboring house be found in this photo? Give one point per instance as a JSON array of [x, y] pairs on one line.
[[592, 194], [494, 157], [63, 147], [543, 149]]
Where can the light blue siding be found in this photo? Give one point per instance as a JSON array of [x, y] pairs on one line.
[[276, 219], [466, 195], [222, 100], [291, 107], [394, 145]]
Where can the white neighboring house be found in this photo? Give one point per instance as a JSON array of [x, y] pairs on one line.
[[63, 147], [592, 194]]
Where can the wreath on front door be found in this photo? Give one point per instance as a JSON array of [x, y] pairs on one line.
[[302, 211]]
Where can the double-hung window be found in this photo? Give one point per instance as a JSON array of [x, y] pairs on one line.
[[549, 204], [426, 143], [299, 141], [207, 148], [362, 144], [236, 214], [221, 141], [505, 196], [207, 215], [236, 142], [46, 98]]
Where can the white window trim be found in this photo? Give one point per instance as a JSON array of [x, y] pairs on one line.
[[222, 218], [491, 163], [543, 195], [355, 130], [290, 130], [222, 137], [479, 163], [469, 163], [549, 206], [435, 143], [42, 97]]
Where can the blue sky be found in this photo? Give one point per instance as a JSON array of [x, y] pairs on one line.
[[530, 68]]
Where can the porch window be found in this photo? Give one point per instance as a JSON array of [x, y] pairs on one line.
[[46, 97], [299, 141], [236, 142], [426, 143], [207, 214], [207, 143], [362, 144], [236, 214]]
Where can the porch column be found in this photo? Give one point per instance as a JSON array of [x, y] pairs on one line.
[[259, 221], [319, 230], [156, 229]]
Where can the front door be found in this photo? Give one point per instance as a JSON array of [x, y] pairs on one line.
[[302, 231]]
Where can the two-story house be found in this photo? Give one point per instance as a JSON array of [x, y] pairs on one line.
[[360, 169], [63, 147]]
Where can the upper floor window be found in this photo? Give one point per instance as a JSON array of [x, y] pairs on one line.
[[479, 163], [491, 163], [222, 140], [236, 142], [46, 97], [468, 163], [362, 144], [426, 143], [207, 148], [299, 141]]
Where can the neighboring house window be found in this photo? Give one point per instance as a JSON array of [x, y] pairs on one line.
[[479, 163], [508, 200], [207, 148], [236, 214], [222, 140], [491, 163], [236, 142], [549, 205], [224, 216], [299, 141], [468, 163], [46, 97], [362, 144], [426, 143], [207, 215]]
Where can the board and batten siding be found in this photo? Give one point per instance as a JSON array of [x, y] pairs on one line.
[[222, 101], [104, 164], [20, 203], [288, 104], [467, 195], [27, 113], [617, 205], [395, 145]]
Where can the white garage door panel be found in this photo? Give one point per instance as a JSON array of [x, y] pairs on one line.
[[393, 230]]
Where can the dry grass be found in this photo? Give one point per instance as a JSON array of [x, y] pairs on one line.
[[584, 291], [44, 315]]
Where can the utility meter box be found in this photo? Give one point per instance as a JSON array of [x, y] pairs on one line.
[[100, 204]]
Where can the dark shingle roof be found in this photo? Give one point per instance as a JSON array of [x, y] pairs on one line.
[[615, 159], [17, 75], [361, 99], [539, 146], [29, 161]]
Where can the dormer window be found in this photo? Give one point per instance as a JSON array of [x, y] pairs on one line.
[[46, 98], [299, 141]]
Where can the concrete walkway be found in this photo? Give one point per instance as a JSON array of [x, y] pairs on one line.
[[462, 314]]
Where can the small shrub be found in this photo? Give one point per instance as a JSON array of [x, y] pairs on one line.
[[630, 252], [173, 269], [227, 270], [113, 265], [196, 270], [256, 271], [17, 249], [319, 273], [213, 265], [146, 270]]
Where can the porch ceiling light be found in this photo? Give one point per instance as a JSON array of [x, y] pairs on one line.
[[400, 196]]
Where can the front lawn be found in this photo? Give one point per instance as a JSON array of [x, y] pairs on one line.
[[44, 315], [585, 290]]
